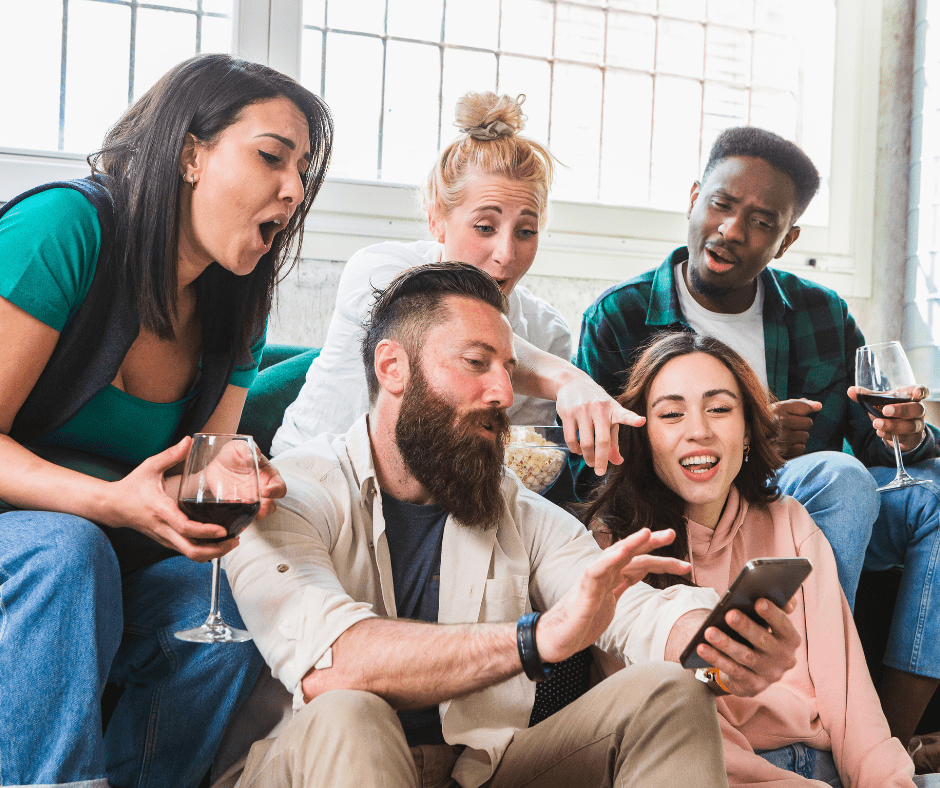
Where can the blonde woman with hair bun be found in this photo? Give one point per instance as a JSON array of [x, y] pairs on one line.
[[486, 199]]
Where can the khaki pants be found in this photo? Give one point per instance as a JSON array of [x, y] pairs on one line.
[[651, 725]]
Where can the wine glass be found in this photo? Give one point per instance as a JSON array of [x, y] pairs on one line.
[[220, 486], [883, 376]]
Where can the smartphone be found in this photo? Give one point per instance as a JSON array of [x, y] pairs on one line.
[[776, 579]]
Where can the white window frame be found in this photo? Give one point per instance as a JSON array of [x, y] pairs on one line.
[[582, 240]]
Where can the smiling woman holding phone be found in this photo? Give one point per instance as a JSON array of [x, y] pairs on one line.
[[702, 465], [133, 307]]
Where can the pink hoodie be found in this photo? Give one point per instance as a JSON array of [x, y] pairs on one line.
[[827, 701]]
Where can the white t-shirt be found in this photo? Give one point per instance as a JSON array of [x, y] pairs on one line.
[[335, 392], [743, 333]]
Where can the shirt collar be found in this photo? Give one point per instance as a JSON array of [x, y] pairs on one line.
[[359, 450], [664, 307]]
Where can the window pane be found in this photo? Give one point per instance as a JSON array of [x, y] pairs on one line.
[[680, 47], [315, 12], [625, 158], [419, 19], [412, 84], [164, 39], [685, 9], [216, 34], [97, 81], [30, 116], [217, 7], [727, 54], [527, 27], [675, 166], [774, 110], [355, 112], [576, 106], [631, 40], [779, 17], [534, 79], [775, 65], [311, 60], [735, 13], [364, 16], [473, 23], [649, 6], [579, 34], [463, 71], [187, 4], [724, 106]]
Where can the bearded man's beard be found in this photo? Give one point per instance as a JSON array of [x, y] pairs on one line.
[[458, 466]]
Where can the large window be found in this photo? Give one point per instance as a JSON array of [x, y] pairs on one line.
[[72, 66], [629, 94]]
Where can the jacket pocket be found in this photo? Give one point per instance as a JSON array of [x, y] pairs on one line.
[[505, 598]]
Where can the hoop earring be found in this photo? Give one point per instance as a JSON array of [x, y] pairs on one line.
[[192, 180], [747, 451]]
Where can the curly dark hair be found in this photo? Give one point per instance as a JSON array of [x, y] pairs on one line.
[[776, 151], [632, 496]]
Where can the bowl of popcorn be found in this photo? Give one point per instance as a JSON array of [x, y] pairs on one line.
[[536, 455]]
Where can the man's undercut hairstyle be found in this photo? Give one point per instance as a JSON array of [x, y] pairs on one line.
[[776, 151], [414, 302]]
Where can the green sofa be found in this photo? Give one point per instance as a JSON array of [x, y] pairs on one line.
[[282, 373]]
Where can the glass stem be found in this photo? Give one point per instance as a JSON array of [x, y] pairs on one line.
[[214, 604], [897, 457]]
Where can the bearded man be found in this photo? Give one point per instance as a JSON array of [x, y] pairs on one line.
[[397, 590]]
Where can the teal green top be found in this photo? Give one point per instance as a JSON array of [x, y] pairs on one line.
[[49, 246]]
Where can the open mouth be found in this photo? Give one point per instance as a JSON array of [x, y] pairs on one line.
[[700, 463], [269, 230], [719, 260]]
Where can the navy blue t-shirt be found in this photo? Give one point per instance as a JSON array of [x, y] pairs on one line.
[[415, 534]]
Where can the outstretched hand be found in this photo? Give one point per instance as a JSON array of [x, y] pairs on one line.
[[592, 419], [586, 610]]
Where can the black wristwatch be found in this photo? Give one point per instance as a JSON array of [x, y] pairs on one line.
[[532, 664]]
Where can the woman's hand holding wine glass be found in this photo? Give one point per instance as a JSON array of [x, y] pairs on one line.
[[146, 501]]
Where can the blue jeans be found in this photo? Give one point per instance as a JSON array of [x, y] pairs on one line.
[[806, 762], [840, 495], [68, 624], [906, 534]]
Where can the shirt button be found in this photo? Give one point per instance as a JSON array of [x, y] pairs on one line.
[[282, 567]]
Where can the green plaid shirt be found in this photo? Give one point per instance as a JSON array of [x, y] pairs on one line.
[[809, 341]]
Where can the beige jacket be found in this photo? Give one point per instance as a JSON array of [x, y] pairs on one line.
[[321, 563]]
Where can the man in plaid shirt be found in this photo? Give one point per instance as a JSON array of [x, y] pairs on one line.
[[800, 339]]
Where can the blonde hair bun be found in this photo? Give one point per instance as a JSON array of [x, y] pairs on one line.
[[487, 116]]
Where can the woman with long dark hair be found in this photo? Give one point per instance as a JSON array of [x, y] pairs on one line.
[[133, 307], [702, 465]]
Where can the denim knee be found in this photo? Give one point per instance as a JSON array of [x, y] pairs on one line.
[[51, 544], [828, 479]]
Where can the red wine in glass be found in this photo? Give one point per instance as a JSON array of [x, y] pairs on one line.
[[220, 485], [876, 403], [234, 516], [882, 374]]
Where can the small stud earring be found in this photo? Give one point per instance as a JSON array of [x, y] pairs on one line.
[[747, 451]]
